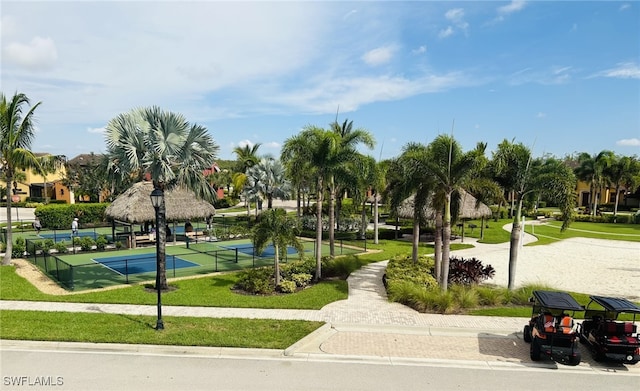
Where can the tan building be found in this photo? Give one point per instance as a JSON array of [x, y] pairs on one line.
[[40, 188]]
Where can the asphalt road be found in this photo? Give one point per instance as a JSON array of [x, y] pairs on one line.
[[53, 366]]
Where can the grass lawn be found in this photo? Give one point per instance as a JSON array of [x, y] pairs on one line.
[[185, 331], [550, 232]]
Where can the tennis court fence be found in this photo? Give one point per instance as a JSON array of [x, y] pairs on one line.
[[115, 267]]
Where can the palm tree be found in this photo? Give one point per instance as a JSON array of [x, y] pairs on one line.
[[407, 176], [620, 166], [277, 229], [344, 151], [549, 177], [161, 145], [591, 170], [16, 135], [247, 157], [269, 180]]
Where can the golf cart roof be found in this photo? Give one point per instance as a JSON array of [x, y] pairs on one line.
[[557, 300], [616, 304]]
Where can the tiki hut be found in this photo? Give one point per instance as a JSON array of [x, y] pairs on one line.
[[469, 208], [134, 207]]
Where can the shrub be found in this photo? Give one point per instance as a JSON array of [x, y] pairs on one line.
[[490, 296], [401, 267], [306, 265], [61, 247], [340, 267], [301, 279], [258, 281], [19, 247], [101, 242], [287, 286], [468, 271], [86, 243], [465, 296]]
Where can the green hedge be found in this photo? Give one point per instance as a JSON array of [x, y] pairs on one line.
[[54, 216]]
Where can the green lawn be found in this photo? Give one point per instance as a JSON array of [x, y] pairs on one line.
[[550, 232], [133, 329]]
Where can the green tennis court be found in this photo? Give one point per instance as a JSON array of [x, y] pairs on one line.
[[81, 271]]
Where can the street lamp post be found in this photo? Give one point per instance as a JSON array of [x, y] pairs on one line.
[[157, 198]]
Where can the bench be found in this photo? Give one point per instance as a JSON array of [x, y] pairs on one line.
[[145, 239]]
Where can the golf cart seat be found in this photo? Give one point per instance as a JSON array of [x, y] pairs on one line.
[[565, 324], [615, 332]]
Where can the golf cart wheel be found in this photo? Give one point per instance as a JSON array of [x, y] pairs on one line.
[[575, 360], [535, 349], [526, 334]]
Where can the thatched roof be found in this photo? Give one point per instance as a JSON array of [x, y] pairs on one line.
[[469, 208], [134, 205]]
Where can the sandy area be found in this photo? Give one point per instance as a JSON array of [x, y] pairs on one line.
[[594, 266]]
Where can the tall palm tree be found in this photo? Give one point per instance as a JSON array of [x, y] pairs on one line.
[[451, 167], [277, 229], [312, 145], [407, 176], [619, 167], [247, 157], [591, 170], [344, 151], [161, 145], [549, 177], [16, 136]]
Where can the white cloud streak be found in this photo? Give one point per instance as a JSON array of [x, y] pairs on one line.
[[624, 70], [378, 56], [629, 142]]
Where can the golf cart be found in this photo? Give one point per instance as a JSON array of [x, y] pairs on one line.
[[606, 338], [550, 330]]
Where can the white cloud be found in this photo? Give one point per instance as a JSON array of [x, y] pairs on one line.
[[422, 49], [629, 142], [456, 17], [506, 10], [324, 95], [272, 145], [552, 76], [96, 130], [624, 6], [445, 32], [245, 143], [624, 70], [39, 54], [512, 7], [378, 56]]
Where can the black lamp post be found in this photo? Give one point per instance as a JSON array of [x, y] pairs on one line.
[[157, 198]]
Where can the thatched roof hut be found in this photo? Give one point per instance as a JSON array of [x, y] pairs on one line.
[[469, 208], [134, 205]]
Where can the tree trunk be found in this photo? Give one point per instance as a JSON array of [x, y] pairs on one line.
[[298, 202], [332, 219], [615, 207], [516, 234], [446, 242], [319, 232], [276, 263], [9, 248], [363, 220], [437, 251], [415, 243], [376, 216], [161, 232]]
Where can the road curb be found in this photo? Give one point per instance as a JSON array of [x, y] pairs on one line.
[[315, 339]]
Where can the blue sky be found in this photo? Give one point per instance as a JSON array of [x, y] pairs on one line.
[[561, 77]]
